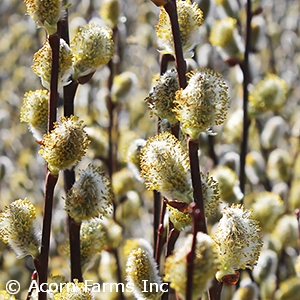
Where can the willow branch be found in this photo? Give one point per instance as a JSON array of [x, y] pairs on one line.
[[42, 261], [246, 122]]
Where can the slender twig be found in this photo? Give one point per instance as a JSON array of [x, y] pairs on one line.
[[113, 114], [196, 210], [193, 147], [160, 233], [212, 152], [172, 237], [53, 96], [170, 8], [113, 132], [158, 225], [246, 122], [215, 290], [41, 262], [111, 106], [297, 213], [69, 175], [158, 212]]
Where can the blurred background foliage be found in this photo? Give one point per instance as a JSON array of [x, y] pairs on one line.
[[276, 49]]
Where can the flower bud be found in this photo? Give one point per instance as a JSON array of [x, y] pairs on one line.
[[205, 266], [190, 19], [92, 48], [43, 64], [92, 242], [273, 132], [133, 157], [129, 209], [122, 85], [57, 280], [279, 165], [4, 295], [109, 12], [267, 208], [233, 127], [269, 94], [142, 274], [246, 292], [238, 240], [286, 231], [46, 14], [179, 219], [161, 100], [228, 184], [90, 196], [65, 145], [231, 159], [135, 243], [266, 266], [255, 167], [288, 289], [113, 233], [122, 182], [229, 8], [34, 112], [225, 37], [18, 228], [203, 103], [165, 167], [74, 290]]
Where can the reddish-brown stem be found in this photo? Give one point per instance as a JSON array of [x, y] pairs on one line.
[[160, 233], [113, 132], [53, 96], [215, 290], [158, 212], [196, 210], [69, 175], [246, 122], [297, 213], [74, 233], [193, 147], [41, 262], [113, 124], [170, 8], [172, 237]]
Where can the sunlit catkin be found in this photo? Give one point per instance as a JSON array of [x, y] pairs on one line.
[[267, 207], [90, 196], [190, 19], [74, 290], [109, 12], [92, 242], [165, 167], [161, 99], [45, 13], [18, 228], [203, 103], [268, 95], [65, 145], [205, 266], [34, 112], [224, 35], [92, 48], [228, 184], [142, 274], [238, 240], [43, 61]]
